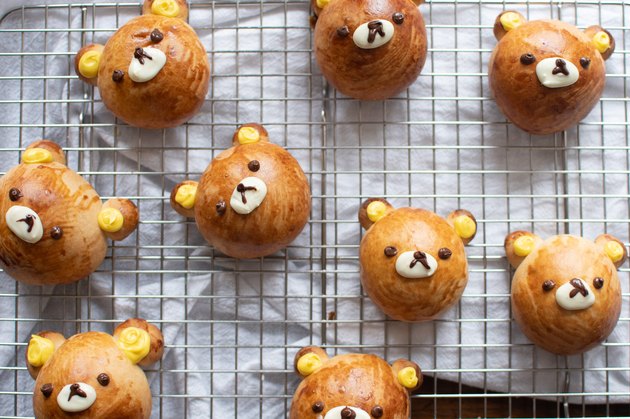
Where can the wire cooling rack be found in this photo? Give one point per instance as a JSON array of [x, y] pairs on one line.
[[233, 327]]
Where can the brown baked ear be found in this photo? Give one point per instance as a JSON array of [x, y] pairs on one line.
[[140, 341], [318, 5], [118, 218], [507, 21], [308, 360], [43, 151], [40, 349], [464, 223], [87, 62], [613, 248], [372, 210], [183, 198], [167, 8], [602, 40], [518, 245], [408, 374]]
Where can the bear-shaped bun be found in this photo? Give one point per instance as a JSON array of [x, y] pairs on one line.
[[566, 295], [94, 375], [547, 75], [53, 225], [252, 200], [369, 49], [356, 386], [413, 263], [153, 72]]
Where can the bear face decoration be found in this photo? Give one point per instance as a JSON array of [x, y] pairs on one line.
[[93, 374], [566, 295], [547, 75], [352, 386], [369, 49], [53, 225], [413, 263], [252, 200], [153, 72]]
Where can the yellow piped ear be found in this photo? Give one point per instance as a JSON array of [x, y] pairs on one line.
[[250, 134], [373, 210], [110, 220], [309, 359], [408, 374], [183, 197], [518, 245], [602, 40], [87, 63], [39, 351], [613, 248], [506, 22], [37, 155], [408, 378], [135, 343], [464, 224]]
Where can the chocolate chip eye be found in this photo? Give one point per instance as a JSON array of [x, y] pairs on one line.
[[390, 251], [47, 390], [398, 18], [56, 232], [585, 62], [444, 253], [598, 282], [343, 31], [318, 407], [156, 36], [254, 165], [14, 194], [528, 58], [377, 411], [118, 76], [103, 379], [548, 285]]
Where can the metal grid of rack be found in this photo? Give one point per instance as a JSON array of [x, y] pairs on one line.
[[232, 327]]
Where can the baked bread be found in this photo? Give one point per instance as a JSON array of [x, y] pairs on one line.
[[547, 75], [413, 263], [55, 227], [93, 374], [566, 295], [369, 49], [153, 72], [354, 386], [252, 200]]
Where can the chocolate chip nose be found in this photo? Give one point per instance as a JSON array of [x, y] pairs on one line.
[[578, 287], [375, 27], [561, 67], [348, 413], [420, 257]]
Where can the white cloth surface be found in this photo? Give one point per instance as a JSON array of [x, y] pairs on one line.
[[231, 331]]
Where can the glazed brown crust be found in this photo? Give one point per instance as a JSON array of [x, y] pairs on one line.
[[81, 359], [542, 320], [373, 74], [177, 91], [270, 227], [358, 380], [517, 91], [61, 198], [412, 299]]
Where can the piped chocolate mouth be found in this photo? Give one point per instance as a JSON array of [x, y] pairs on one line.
[[578, 288], [242, 189], [375, 27], [420, 257], [75, 390], [30, 222], [561, 67]]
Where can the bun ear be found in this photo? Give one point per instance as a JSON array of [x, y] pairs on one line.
[[87, 62], [613, 248], [518, 245], [140, 341], [250, 133], [43, 151], [506, 22], [318, 5], [408, 374], [602, 40], [183, 198], [308, 360], [464, 224], [373, 210], [166, 8], [118, 218], [40, 349]]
